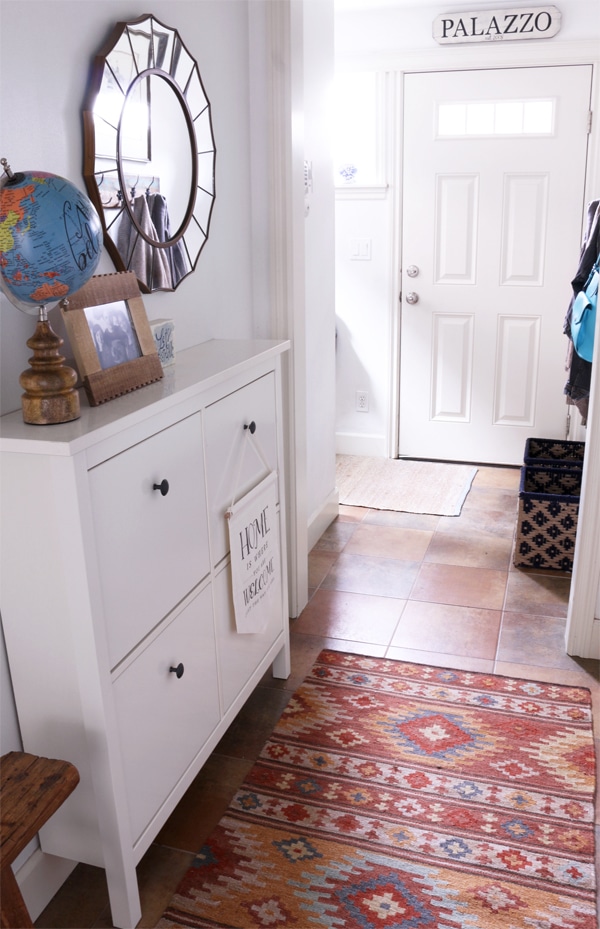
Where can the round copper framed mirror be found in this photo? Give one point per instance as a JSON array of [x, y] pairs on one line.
[[149, 153]]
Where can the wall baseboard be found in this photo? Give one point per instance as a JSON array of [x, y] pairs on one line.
[[595, 639], [40, 878], [322, 518], [352, 443]]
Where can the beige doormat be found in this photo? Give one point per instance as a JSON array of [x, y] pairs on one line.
[[404, 485]]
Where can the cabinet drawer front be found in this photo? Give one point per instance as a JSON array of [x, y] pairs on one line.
[[163, 720], [233, 466], [152, 546], [239, 653]]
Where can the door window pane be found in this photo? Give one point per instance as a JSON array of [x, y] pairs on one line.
[[452, 119], [509, 118], [495, 118], [479, 118], [538, 117]]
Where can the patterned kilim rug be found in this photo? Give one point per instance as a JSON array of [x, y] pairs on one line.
[[403, 485], [398, 796]]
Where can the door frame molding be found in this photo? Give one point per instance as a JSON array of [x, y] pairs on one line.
[[285, 76], [582, 636]]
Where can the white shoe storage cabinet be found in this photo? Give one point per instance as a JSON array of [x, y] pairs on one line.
[[116, 593]]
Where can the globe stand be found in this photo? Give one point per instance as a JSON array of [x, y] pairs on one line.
[[50, 396]]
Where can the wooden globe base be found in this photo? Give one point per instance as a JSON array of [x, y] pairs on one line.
[[50, 396]]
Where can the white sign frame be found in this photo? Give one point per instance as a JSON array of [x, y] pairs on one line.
[[253, 524], [519, 23]]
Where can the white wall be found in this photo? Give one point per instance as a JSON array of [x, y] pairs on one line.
[[382, 25], [43, 84], [319, 272], [389, 38], [41, 128], [42, 95], [362, 307]]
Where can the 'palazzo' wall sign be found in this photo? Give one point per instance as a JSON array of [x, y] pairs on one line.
[[537, 22]]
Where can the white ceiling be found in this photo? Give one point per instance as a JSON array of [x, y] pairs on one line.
[[373, 4], [465, 5]]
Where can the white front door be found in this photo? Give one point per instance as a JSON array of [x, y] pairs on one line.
[[493, 199]]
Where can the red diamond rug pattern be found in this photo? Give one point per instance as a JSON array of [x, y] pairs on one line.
[[398, 796]]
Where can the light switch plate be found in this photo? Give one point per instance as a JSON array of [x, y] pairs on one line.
[[360, 249]]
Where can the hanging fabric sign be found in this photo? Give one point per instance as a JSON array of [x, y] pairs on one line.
[[537, 22], [255, 562]]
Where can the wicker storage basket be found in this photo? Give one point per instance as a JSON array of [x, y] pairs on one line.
[[547, 518], [554, 453]]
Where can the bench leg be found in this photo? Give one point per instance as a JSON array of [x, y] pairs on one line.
[[14, 914]]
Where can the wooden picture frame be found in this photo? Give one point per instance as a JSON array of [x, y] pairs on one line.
[[110, 335]]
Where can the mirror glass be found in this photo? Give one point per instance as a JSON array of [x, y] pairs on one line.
[[149, 153]]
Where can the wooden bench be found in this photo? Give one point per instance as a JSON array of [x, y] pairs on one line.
[[31, 790]]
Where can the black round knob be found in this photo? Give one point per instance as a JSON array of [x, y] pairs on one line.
[[178, 670], [251, 426], [163, 487]]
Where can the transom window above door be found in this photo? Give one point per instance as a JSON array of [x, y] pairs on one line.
[[492, 118]]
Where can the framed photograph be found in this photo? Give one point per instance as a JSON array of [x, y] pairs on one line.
[[111, 338]]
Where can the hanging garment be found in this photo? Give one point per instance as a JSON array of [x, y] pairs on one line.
[[175, 254], [148, 263], [583, 315], [577, 388]]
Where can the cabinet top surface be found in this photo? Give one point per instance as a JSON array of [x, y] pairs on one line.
[[196, 369]]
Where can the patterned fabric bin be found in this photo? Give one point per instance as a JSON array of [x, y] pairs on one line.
[[554, 453], [547, 518]]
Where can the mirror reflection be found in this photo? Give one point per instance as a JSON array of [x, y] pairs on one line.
[[149, 153]]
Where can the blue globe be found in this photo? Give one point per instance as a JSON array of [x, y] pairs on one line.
[[50, 238]]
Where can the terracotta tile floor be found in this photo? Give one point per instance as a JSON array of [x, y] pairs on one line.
[[437, 590]]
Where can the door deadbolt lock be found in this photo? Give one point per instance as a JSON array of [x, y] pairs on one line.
[[412, 297], [412, 271]]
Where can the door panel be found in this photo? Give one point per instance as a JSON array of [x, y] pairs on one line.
[[524, 213], [456, 229], [493, 197], [452, 369], [517, 352]]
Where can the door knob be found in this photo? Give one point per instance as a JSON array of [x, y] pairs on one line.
[[412, 297], [412, 271]]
